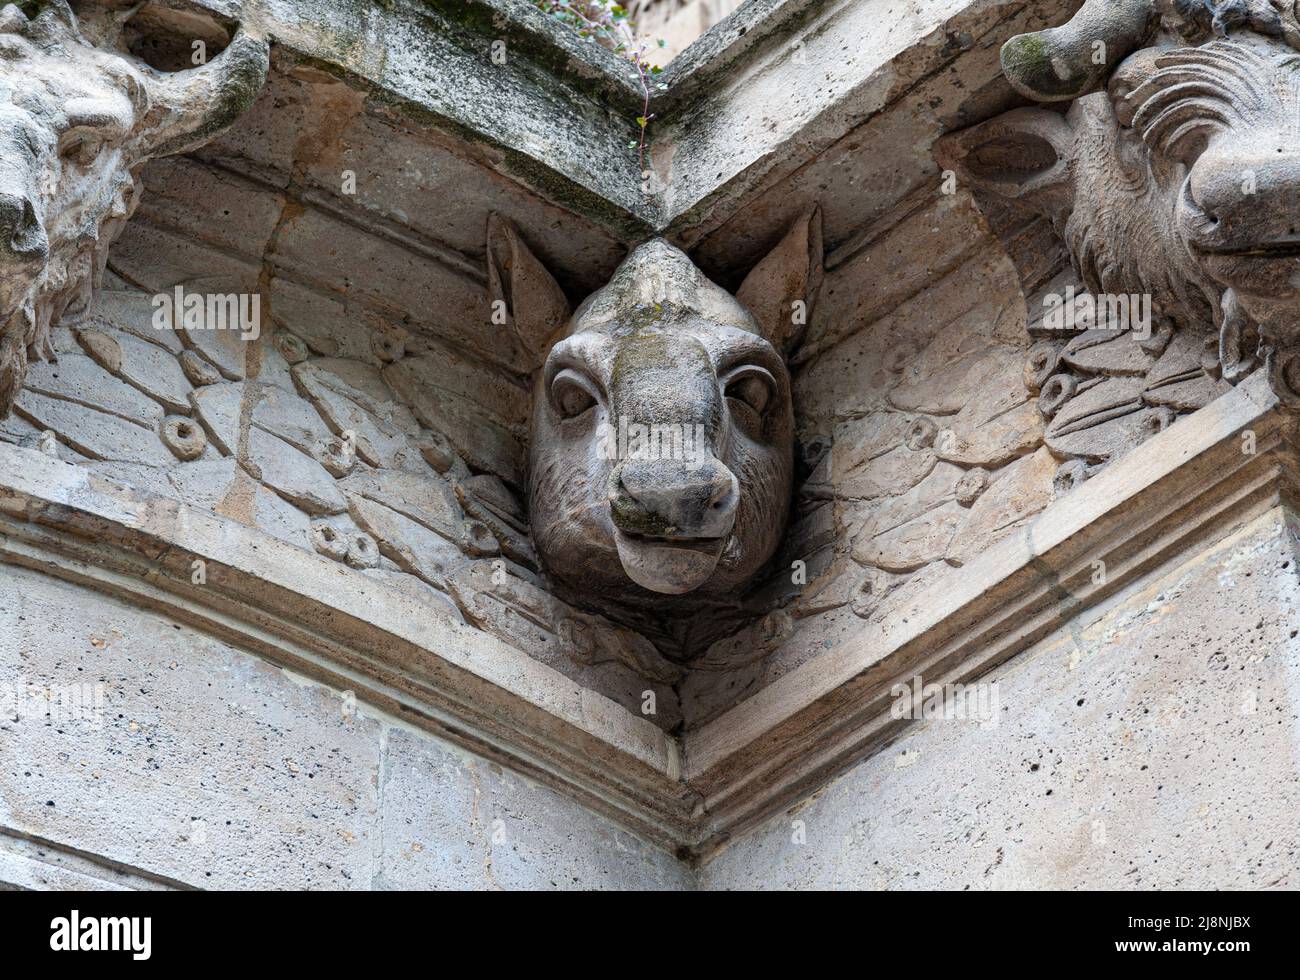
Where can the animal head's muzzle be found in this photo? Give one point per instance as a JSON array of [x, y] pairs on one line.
[[669, 499], [24, 247], [1239, 213], [672, 520]]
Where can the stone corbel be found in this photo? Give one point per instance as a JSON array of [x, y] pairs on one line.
[[82, 117], [1172, 180], [662, 431]]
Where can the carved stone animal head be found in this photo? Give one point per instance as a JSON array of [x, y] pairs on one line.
[[1176, 170], [77, 121], [662, 429]]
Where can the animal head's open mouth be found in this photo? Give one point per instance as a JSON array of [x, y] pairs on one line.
[[670, 565], [1266, 270], [1284, 249], [675, 541]]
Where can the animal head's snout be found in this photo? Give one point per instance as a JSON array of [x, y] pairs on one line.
[[23, 242], [676, 500], [1244, 203], [672, 520]]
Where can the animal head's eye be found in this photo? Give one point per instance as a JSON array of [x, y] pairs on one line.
[[571, 394], [81, 147], [752, 387], [1189, 145]]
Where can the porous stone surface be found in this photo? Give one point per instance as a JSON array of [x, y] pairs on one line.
[[1152, 745], [469, 824], [382, 351], [210, 768]]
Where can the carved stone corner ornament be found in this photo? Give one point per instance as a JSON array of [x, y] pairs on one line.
[[662, 429], [1174, 173], [79, 117]]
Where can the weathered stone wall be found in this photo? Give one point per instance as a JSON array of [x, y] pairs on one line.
[[205, 766], [1152, 744], [922, 437], [928, 428], [380, 420]]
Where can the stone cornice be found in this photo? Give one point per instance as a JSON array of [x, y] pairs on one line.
[[1179, 491], [559, 114]]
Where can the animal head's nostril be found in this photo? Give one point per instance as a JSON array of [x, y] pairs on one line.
[[724, 492]]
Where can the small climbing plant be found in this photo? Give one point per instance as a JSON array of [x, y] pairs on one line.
[[609, 25]]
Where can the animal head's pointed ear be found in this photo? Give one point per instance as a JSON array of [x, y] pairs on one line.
[[530, 299], [1024, 156], [781, 290]]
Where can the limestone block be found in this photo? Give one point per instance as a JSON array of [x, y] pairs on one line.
[[322, 320], [428, 500], [944, 381], [226, 350], [914, 544], [1107, 755], [453, 822], [1189, 395], [481, 441], [858, 441], [224, 488], [353, 398], [411, 545], [132, 311], [938, 487], [994, 441], [295, 476], [225, 408], [386, 276], [1104, 419], [208, 766], [360, 383], [895, 267], [1180, 361], [618, 662], [137, 476], [892, 473], [417, 589], [212, 206], [158, 260], [840, 585], [486, 390], [1108, 352]]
